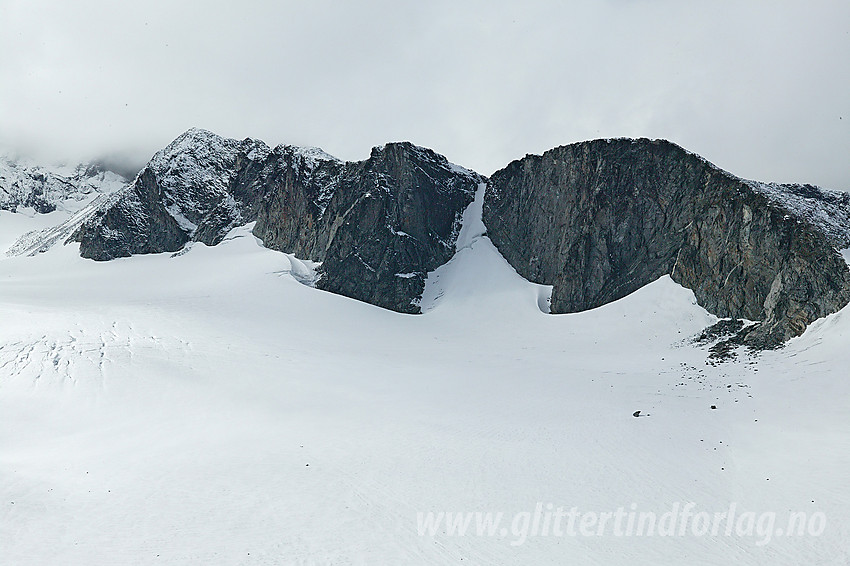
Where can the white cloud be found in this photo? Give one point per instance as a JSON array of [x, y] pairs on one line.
[[757, 87]]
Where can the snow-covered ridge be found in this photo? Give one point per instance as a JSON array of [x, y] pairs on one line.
[[311, 156], [199, 167], [25, 184], [203, 148], [829, 211]]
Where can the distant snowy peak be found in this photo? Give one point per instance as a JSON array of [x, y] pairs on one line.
[[25, 184], [828, 211]]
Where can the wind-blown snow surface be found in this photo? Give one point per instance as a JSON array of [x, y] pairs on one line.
[[209, 409]]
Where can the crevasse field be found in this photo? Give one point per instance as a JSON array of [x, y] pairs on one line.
[[207, 408]]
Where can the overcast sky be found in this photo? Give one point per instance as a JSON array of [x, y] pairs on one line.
[[761, 89]]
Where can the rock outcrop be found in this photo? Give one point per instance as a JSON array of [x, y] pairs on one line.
[[378, 226], [196, 189], [598, 220]]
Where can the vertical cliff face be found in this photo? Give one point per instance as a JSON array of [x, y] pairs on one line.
[[379, 226], [396, 218], [298, 186], [598, 220]]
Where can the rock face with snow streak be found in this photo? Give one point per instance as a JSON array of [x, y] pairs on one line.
[[378, 225], [598, 220]]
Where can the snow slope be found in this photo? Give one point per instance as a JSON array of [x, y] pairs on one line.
[[208, 408]]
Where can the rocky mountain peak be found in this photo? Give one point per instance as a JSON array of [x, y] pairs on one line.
[[378, 225], [598, 220], [195, 189]]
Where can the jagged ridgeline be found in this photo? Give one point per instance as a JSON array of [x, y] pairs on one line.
[[378, 226], [600, 219], [24, 184], [596, 220]]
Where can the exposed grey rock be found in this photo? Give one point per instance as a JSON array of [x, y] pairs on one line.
[[379, 226], [598, 220], [137, 223], [298, 188], [196, 189], [723, 328], [828, 210]]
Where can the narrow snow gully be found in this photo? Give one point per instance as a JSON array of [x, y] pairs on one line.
[[472, 223], [478, 277]]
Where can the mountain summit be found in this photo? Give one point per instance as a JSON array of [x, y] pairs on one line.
[[601, 219]]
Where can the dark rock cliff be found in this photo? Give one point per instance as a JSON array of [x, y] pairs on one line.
[[297, 190], [598, 220], [379, 225]]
